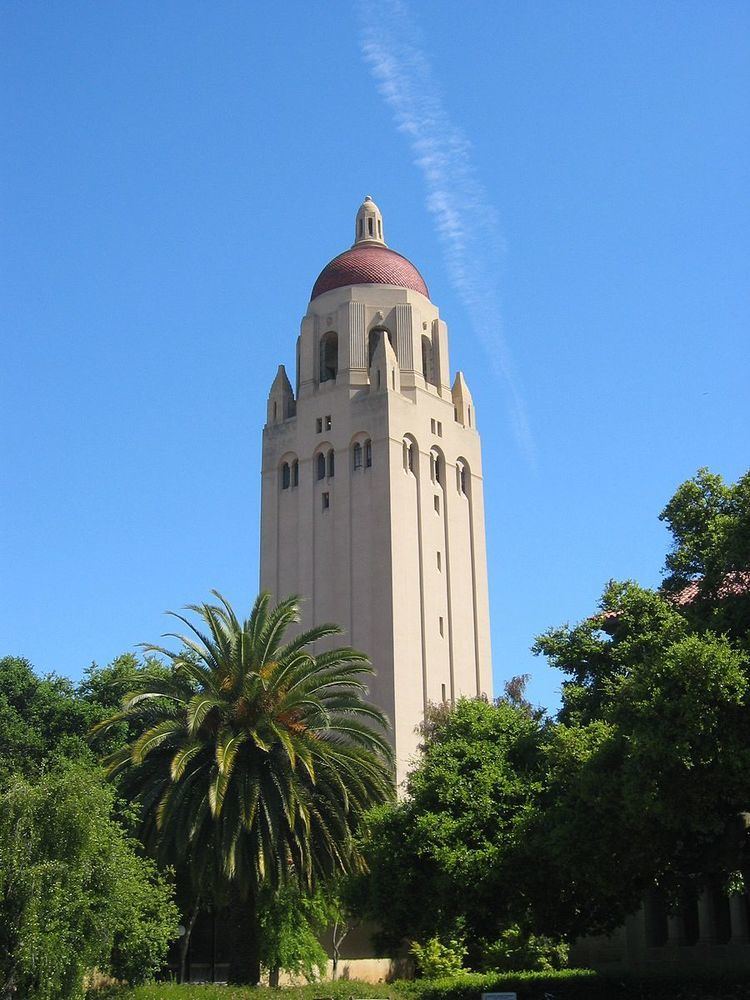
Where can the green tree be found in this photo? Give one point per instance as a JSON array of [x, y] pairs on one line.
[[47, 719], [648, 770], [74, 892], [256, 760], [41, 720], [709, 521], [436, 859], [291, 922]]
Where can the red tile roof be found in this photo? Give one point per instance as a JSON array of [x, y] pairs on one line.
[[735, 584], [369, 264]]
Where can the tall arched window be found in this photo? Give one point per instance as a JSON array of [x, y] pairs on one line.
[[330, 464], [428, 368], [329, 357], [320, 466], [409, 456], [357, 456], [462, 478], [368, 454], [285, 476], [436, 467], [295, 473]]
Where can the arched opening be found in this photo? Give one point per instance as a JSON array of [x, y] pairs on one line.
[[436, 467], [357, 456], [428, 367], [331, 468], [373, 340], [286, 477], [368, 454], [329, 357], [410, 456], [462, 477], [320, 466]]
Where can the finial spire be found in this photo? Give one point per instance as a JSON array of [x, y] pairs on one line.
[[368, 227]]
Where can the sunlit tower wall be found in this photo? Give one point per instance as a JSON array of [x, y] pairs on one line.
[[372, 499]]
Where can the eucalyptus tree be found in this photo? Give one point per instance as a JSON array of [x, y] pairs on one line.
[[256, 759]]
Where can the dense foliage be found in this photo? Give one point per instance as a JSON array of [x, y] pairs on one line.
[[567, 984], [255, 762], [75, 889], [75, 893]]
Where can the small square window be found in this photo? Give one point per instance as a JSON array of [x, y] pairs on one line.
[[319, 425], [328, 422], [437, 503], [326, 501]]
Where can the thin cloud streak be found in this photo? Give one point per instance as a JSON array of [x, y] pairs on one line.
[[463, 213]]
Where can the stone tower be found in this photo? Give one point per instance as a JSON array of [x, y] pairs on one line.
[[372, 503]]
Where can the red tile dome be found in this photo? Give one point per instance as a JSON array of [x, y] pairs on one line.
[[369, 264]]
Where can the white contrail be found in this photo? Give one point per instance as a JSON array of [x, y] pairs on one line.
[[465, 218]]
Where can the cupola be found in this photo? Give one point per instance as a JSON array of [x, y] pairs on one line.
[[368, 227]]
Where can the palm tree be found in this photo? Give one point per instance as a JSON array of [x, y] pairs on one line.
[[255, 761]]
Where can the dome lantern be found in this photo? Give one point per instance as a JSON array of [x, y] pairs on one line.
[[368, 227]]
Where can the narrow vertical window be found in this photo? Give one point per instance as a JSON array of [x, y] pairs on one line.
[[285, 476], [331, 468], [326, 502], [318, 425], [439, 429], [369, 227], [440, 625], [328, 422], [468, 412], [357, 456], [411, 458], [368, 454], [275, 411], [439, 561], [295, 473], [432, 425], [444, 693], [320, 466], [437, 503]]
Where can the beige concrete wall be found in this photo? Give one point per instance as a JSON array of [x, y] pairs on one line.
[[370, 560]]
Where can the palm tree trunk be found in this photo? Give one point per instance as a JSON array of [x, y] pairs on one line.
[[244, 964], [185, 943]]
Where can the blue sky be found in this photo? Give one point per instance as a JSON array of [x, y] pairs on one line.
[[175, 175]]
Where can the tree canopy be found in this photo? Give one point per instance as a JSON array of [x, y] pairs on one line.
[[75, 891]]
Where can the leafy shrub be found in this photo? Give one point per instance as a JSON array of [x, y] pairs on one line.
[[516, 951], [435, 959]]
